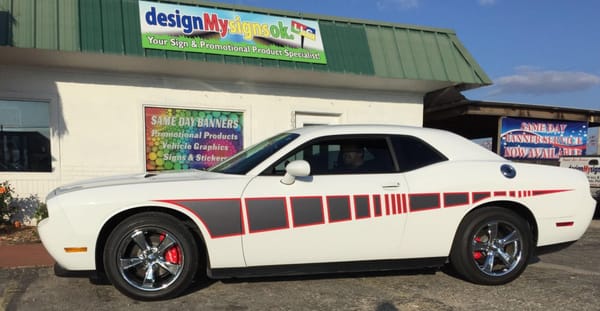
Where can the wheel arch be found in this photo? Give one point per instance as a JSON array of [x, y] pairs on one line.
[[516, 207], [116, 219]]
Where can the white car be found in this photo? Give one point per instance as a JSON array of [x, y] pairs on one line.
[[318, 200]]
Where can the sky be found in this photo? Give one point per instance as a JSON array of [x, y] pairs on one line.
[[538, 52]]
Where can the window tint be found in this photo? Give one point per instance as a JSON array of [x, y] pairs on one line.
[[413, 153], [341, 155], [25, 136]]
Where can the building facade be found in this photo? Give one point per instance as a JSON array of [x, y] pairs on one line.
[[84, 92]]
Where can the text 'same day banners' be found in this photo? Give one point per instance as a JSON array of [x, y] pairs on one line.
[[536, 139], [217, 31], [178, 139]]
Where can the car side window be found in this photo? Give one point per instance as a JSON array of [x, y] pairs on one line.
[[341, 155], [412, 153]]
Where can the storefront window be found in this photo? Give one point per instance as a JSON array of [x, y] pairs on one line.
[[24, 136]]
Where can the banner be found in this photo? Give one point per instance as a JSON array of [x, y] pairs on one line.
[[215, 31], [178, 139], [536, 139]]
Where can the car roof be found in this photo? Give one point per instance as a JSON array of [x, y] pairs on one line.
[[453, 146]]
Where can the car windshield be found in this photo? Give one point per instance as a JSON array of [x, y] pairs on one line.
[[247, 159]]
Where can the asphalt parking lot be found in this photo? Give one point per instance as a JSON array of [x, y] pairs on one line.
[[566, 280]]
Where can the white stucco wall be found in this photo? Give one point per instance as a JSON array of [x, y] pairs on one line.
[[98, 126]]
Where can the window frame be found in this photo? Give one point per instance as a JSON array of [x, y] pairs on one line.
[[53, 140], [57, 130], [394, 154]]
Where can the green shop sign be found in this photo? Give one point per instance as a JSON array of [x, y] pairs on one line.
[[204, 30]]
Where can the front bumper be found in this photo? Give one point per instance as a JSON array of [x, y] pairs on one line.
[[58, 238]]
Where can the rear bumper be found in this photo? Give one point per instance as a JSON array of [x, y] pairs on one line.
[[558, 230]]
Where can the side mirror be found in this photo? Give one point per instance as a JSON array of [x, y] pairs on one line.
[[296, 168]]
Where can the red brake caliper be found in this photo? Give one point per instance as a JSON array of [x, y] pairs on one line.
[[172, 255], [477, 255]]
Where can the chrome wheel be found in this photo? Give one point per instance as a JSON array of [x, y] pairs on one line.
[[151, 256], [492, 246], [497, 248], [150, 259]]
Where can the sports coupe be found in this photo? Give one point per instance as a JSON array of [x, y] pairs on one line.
[[319, 199]]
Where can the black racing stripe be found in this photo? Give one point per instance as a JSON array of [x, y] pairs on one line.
[[307, 211], [266, 214], [424, 201], [361, 207], [377, 205], [221, 217], [338, 208], [455, 199]]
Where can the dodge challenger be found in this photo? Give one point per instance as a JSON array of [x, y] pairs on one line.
[[320, 199]]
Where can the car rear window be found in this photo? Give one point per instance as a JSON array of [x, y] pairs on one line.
[[412, 153]]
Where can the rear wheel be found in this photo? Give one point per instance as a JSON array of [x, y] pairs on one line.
[[151, 256], [493, 246]]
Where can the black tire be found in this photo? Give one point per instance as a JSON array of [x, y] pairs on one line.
[[493, 246], [151, 256]]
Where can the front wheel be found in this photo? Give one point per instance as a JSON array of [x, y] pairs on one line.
[[151, 256], [492, 246]]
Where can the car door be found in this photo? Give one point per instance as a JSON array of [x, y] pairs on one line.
[[335, 214]]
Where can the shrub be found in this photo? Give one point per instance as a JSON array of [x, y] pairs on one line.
[[41, 212], [7, 209]]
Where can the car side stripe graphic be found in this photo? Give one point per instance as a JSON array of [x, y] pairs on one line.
[[225, 217], [362, 208], [479, 196], [266, 214], [542, 192], [424, 201], [377, 205], [221, 217], [452, 199], [387, 204], [307, 211], [338, 208]]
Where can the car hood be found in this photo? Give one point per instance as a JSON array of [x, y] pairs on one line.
[[139, 178]]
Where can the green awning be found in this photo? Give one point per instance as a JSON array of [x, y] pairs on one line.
[[353, 47]]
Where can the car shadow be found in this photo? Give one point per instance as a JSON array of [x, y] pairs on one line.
[[333, 275], [202, 283]]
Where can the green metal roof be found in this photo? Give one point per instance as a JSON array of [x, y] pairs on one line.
[[352, 46]]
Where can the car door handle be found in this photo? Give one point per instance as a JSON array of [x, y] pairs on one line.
[[391, 185]]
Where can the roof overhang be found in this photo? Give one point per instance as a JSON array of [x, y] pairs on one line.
[[234, 73], [450, 110]]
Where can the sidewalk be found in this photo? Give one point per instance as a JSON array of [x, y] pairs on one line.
[[24, 256]]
